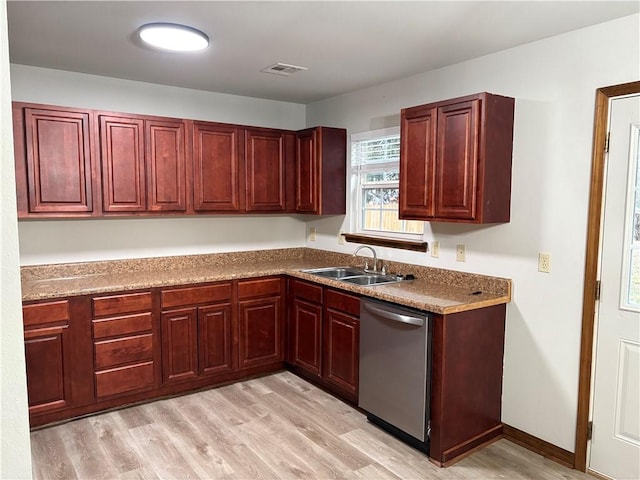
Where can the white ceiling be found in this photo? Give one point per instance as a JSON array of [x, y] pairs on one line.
[[346, 45]]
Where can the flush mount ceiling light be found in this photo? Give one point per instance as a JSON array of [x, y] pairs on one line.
[[173, 37]]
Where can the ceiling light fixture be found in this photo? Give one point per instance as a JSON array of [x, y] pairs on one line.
[[173, 37]]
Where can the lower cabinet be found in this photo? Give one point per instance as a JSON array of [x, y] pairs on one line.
[[323, 337], [341, 347], [58, 357], [197, 331], [49, 356], [260, 322], [125, 344]]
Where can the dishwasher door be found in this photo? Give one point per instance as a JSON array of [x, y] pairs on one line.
[[395, 366]]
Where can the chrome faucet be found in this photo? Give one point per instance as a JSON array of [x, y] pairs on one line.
[[375, 257]]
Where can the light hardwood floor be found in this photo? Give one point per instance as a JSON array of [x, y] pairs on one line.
[[277, 426]]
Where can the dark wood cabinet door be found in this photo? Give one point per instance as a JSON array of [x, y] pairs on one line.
[[215, 339], [59, 163], [123, 166], [305, 336], [341, 350], [417, 164], [260, 338], [166, 165], [265, 182], [179, 344], [218, 168], [306, 172], [48, 358], [457, 160]]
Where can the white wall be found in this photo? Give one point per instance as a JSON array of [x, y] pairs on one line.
[[15, 449], [87, 240], [554, 83]]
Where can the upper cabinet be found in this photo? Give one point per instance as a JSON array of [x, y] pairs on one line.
[[268, 155], [55, 174], [321, 171], [218, 167], [455, 160], [143, 164], [77, 163]]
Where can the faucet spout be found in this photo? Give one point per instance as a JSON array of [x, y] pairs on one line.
[[375, 257]]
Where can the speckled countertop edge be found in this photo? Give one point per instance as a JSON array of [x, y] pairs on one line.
[[435, 290]]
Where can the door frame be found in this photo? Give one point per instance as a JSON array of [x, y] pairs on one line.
[[601, 126]]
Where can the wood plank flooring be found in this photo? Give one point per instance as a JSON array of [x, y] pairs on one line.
[[275, 427]]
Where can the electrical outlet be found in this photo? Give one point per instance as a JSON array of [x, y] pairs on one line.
[[312, 234], [460, 254], [435, 249], [544, 262], [340, 238]]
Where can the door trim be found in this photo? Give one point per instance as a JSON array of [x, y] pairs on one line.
[[603, 96]]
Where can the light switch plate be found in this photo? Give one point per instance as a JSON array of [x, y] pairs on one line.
[[312, 234], [460, 253]]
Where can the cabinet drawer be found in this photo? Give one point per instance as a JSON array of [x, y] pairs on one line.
[[124, 379], [125, 303], [194, 295], [43, 313], [343, 302], [259, 288], [110, 353], [125, 325], [308, 291]]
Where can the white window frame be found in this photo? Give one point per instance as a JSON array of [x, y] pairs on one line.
[[356, 187]]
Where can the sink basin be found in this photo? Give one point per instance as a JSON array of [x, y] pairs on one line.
[[354, 275], [337, 272], [371, 279]]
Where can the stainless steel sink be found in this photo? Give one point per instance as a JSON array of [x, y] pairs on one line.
[[337, 272], [354, 275]]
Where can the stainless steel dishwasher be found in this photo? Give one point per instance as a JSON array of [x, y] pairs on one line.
[[395, 364]]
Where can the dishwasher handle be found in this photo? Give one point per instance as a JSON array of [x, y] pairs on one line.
[[396, 317]]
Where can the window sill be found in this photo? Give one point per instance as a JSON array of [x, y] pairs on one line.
[[386, 242]]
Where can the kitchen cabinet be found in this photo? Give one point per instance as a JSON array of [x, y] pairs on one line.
[[143, 163], [305, 326], [323, 336], [321, 171], [218, 167], [49, 356], [260, 322], [79, 163], [126, 344], [455, 160], [58, 357], [197, 331], [341, 342], [466, 382], [269, 169], [54, 161]]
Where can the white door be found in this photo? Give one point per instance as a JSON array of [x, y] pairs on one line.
[[615, 445]]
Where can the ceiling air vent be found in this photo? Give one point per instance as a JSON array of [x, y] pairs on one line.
[[283, 69]]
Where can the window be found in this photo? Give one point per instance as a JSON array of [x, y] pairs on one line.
[[375, 173]]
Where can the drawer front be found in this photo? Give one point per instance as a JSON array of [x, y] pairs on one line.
[[306, 290], [110, 353], [125, 303], [343, 301], [179, 297], [43, 313], [259, 288], [124, 379], [125, 325]]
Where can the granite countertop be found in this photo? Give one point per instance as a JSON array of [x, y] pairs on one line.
[[435, 290]]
